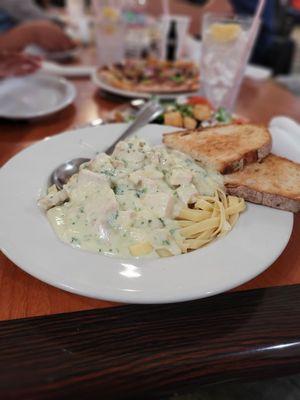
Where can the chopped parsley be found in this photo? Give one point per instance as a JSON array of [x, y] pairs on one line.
[[119, 190], [162, 221], [140, 192], [112, 218], [107, 172]]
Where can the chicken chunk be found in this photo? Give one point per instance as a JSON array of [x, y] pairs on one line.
[[136, 177], [86, 176], [179, 176], [124, 219], [152, 173], [163, 240], [186, 193], [161, 204], [102, 161], [129, 201], [99, 207], [132, 154], [52, 199]]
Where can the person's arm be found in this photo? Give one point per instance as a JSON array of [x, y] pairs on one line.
[[17, 64], [15, 39], [41, 33], [23, 10]]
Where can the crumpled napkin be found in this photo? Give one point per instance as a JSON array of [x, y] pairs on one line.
[[286, 138]]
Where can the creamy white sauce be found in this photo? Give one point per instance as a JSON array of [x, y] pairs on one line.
[[128, 198]]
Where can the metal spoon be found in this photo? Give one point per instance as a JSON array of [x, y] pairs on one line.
[[137, 103], [148, 113]]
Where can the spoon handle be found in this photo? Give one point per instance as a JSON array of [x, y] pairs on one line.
[[148, 113]]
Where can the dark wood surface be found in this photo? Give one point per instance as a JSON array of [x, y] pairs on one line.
[[148, 352]]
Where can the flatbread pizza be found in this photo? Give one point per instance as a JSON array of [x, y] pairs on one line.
[[152, 76]]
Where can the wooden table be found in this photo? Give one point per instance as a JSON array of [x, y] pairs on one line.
[[166, 338]]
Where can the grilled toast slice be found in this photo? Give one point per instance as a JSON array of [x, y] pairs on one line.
[[275, 182], [226, 148]]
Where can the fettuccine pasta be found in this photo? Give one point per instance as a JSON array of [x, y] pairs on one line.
[[210, 217]]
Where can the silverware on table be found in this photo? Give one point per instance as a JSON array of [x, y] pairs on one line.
[[147, 113]]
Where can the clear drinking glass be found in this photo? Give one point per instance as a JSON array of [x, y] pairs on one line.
[[109, 29], [224, 56], [139, 26]]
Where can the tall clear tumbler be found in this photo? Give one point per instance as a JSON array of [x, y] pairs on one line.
[[109, 31], [226, 48]]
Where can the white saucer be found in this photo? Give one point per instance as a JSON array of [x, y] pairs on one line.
[[34, 96]]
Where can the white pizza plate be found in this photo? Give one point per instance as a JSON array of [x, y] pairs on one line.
[[27, 239], [34, 96], [133, 95]]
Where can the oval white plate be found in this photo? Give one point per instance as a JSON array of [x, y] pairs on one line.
[[34, 96], [28, 240], [133, 95], [52, 55]]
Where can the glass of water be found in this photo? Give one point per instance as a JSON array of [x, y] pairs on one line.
[[109, 29], [224, 56]]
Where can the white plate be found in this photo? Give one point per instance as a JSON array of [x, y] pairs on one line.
[[52, 55], [34, 96], [133, 95], [70, 71], [27, 239], [257, 73]]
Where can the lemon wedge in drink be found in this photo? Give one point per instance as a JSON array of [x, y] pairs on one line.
[[225, 32], [110, 13]]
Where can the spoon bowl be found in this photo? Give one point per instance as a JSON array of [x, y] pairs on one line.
[[63, 173]]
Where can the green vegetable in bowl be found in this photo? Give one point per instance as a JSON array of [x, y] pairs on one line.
[[222, 115], [185, 109]]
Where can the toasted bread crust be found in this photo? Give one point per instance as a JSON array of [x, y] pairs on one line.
[[226, 148], [266, 199], [275, 182]]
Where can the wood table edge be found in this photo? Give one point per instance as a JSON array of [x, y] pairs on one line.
[[137, 351]]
